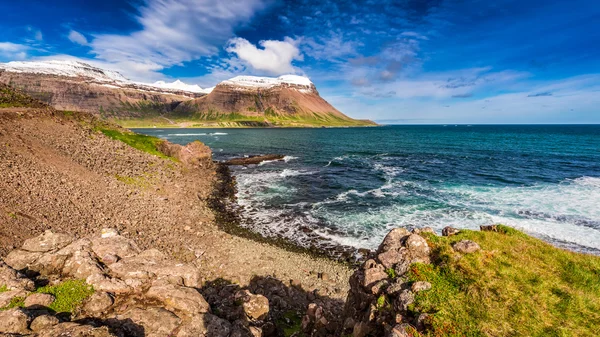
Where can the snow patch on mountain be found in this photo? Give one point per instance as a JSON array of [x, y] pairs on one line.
[[178, 85], [268, 82], [67, 68]]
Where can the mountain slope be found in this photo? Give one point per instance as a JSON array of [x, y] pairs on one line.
[[247, 100]]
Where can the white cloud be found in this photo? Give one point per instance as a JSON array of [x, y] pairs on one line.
[[173, 32], [333, 47], [275, 57], [77, 37], [13, 51]]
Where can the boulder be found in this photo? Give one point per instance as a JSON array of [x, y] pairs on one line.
[[151, 322], [21, 259], [205, 325], [420, 286], [116, 245], [14, 280], [39, 300], [14, 321], [98, 303], [466, 246], [82, 264], [256, 307], [71, 329], [405, 298], [43, 322], [49, 241], [7, 296], [373, 272], [418, 247], [423, 230], [186, 300], [111, 285], [449, 231], [393, 240]]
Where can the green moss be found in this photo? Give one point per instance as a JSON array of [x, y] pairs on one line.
[[69, 294], [141, 142], [515, 286], [3, 288], [391, 273], [15, 302], [291, 324], [12, 215]]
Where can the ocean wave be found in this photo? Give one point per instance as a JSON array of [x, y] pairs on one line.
[[186, 134], [218, 134], [289, 158]]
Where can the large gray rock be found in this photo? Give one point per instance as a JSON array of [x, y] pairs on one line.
[[39, 300], [7, 296], [449, 231], [71, 329], [14, 280], [49, 241], [43, 322], [205, 325], [399, 330], [393, 240], [256, 307], [151, 322], [183, 299], [466, 246], [102, 282], [117, 245], [14, 321], [21, 259], [98, 303]]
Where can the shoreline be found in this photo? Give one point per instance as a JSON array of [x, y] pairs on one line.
[[229, 217]]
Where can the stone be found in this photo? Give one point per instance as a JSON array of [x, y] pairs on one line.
[[14, 280], [399, 330], [423, 230], [14, 321], [39, 300], [49, 264], [466, 246], [255, 331], [361, 329], [108, 233], [373, 272], [111, 285], [115, 245], [150, 322], [71, 329], [393, 240], [98, 303], [422, 321], [187, 300], [420, 286], [390, 258], [21, 259], [489, 228], [43, 322], [205, 325], [405, 298], [7, 296], [449, 231], [49, 241], [417, 246], [256, 307]]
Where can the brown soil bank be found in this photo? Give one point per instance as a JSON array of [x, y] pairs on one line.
[[60, 173]]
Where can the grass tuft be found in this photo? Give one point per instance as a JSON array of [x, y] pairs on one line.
[[69, 294], [3, 288], [515, 286], [144, 143]]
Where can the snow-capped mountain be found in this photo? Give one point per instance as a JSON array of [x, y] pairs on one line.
[[76, 69]]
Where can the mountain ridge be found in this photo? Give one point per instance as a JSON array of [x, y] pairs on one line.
[[242, 101]]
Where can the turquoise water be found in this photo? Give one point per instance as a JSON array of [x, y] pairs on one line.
[[350, 186]]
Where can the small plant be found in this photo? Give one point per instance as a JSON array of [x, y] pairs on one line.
[[3, 288], [391, 272], [12, 215], [15, 302], [69, 294]]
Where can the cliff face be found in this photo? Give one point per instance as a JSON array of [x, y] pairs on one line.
[[288, 98], [81, 94]]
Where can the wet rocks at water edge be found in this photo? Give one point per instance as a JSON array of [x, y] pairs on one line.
[[253, 160], [136, 293]]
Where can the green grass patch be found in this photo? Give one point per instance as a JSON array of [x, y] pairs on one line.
[[15, 302], [3, 288], [291, 324], [144, 143], [515, 286], [69, 294]]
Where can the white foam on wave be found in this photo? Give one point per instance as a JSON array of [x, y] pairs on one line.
[[218, 134], [289, 158], [186, 134]]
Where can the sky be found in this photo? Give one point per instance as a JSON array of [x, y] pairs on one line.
[[405, 62]]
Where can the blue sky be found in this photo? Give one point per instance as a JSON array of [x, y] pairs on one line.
[[431, 61]]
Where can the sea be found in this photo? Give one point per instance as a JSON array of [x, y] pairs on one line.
[[350, 186]]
